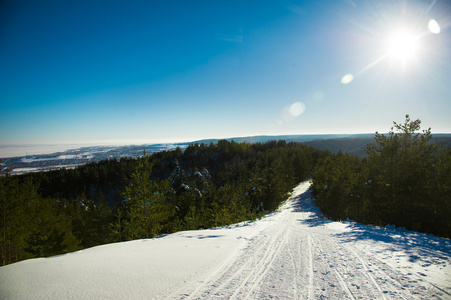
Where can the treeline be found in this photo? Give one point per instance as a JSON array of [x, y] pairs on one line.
[[405, 180], [48, 213]]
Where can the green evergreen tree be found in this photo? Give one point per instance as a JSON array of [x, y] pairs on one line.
[[30, 225], [117, 227], [15, 213], [405, 181], [399, 165], [52, 231], [146, 203]]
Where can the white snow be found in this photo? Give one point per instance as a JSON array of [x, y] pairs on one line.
[[24, 170], [293, 253], [59, 157], [18, 171]]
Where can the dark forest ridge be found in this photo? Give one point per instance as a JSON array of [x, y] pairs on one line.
[[351, 143], [301, 138], [21, 150]]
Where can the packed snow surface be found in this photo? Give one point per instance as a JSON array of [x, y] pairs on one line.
[[294, 253]]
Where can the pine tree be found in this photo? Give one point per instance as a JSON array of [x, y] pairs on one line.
[[399, 165], [146, 203]]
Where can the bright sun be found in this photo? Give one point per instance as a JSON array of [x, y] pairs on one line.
[[402, 45]]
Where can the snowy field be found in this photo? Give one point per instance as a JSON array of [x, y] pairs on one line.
[[290, 254]]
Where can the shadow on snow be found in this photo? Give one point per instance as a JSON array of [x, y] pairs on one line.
[[417, 246]]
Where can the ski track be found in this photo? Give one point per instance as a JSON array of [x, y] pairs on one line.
[[297, 256]]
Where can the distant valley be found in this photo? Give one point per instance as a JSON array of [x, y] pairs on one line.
[[351, 143], [76, 157]]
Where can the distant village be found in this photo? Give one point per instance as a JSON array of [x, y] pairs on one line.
[[72, 158]]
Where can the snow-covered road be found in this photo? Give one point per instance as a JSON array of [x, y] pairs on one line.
[[300, 255], [293, 253]]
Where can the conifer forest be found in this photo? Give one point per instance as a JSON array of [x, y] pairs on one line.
[[404, 180]]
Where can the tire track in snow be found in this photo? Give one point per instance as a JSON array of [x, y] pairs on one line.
[[299, 256], [343, 284], [260, 257], [295, 272], [388, 280], [212, 274], [368, 272], [327, 260], [310, 267], [256, 277], [347, 263], [401, 281], [237, 275]]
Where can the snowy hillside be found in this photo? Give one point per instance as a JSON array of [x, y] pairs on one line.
[[71, 158], [291, 254]]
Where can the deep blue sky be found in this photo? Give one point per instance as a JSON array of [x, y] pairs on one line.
[[161, 71]]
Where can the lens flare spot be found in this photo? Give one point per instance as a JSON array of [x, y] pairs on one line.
[[292, 111], [433, 26], [296, 109], [347, 79]]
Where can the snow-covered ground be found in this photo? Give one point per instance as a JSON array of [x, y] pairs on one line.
[[70, 159], [292, 254]]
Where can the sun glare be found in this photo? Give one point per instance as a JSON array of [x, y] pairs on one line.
[[402, 45], [401, 41]]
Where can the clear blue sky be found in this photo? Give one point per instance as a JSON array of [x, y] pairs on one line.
[[165, 71]]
